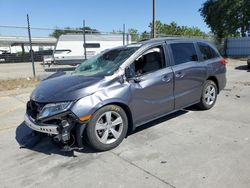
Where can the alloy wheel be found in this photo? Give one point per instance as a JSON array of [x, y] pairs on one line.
[[210, 95], [109, 127]]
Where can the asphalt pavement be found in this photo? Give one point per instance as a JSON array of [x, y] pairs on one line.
[[188, 149]]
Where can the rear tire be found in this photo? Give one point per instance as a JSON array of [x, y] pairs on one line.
[[209, 95], [107, 128]]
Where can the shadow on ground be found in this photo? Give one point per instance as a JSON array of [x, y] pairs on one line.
[[242, 67], [41, 143], [159, 121]]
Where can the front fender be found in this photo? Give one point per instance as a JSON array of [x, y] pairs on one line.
[[90, 104]]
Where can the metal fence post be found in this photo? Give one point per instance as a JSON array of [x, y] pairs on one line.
[[31, 50], [84, 40], [123, 34]]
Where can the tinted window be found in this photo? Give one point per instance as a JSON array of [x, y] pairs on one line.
[[207, 52], [151, 60], [184, 52]]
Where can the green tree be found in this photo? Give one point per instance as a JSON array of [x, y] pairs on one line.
[[145, 35], [67, 30], [173, 29], [135, 36], [226, 17], [163, 30]]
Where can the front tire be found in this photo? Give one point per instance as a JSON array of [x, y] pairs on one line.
[[209, 95], [107, 128]]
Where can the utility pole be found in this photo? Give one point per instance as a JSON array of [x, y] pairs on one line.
[[31, 50], [153, 21]]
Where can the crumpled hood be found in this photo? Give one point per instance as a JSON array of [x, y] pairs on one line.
[[65, 88]]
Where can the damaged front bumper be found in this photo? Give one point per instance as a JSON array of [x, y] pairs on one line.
[[69, 133], [40, 127]]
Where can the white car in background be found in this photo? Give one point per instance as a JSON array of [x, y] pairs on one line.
[[48, 60]]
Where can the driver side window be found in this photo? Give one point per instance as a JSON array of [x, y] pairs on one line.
[[150, 61]]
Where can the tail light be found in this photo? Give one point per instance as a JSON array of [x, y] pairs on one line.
[[223, 62]]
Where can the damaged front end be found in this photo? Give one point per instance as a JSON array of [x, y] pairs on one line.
[[58, 121]]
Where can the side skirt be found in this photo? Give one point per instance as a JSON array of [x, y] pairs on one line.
[[182, 108]]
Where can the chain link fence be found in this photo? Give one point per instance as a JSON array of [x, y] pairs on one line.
[[47, 43], [52, 47]]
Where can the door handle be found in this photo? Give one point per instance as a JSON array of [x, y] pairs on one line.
[[179, 75], [166, 78]]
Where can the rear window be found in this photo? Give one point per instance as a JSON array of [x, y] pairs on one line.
[[183, 53], [207, 52]]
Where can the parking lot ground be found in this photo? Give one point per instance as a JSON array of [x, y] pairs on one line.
[[19, 70], [190, 148], [24, 70]]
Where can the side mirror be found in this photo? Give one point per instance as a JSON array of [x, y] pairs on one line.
[[130, 75]]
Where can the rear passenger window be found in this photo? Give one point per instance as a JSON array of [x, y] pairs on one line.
[[184, 52], [207, 52]]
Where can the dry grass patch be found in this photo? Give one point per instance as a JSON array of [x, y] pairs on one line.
[[17, 83]]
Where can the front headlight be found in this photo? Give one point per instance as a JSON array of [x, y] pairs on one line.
[[53, 109]]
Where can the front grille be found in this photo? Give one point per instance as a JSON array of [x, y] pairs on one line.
[[33, 108]]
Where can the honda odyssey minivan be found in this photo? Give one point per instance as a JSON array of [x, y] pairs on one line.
[[125, 87]]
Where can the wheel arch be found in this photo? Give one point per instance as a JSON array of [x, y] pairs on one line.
[[215, 80], [129, 115], [126, 109]]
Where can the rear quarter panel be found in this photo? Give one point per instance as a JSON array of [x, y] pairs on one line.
[[217, 70]]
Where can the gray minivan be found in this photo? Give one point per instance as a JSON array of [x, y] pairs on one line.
[[122, 88]]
